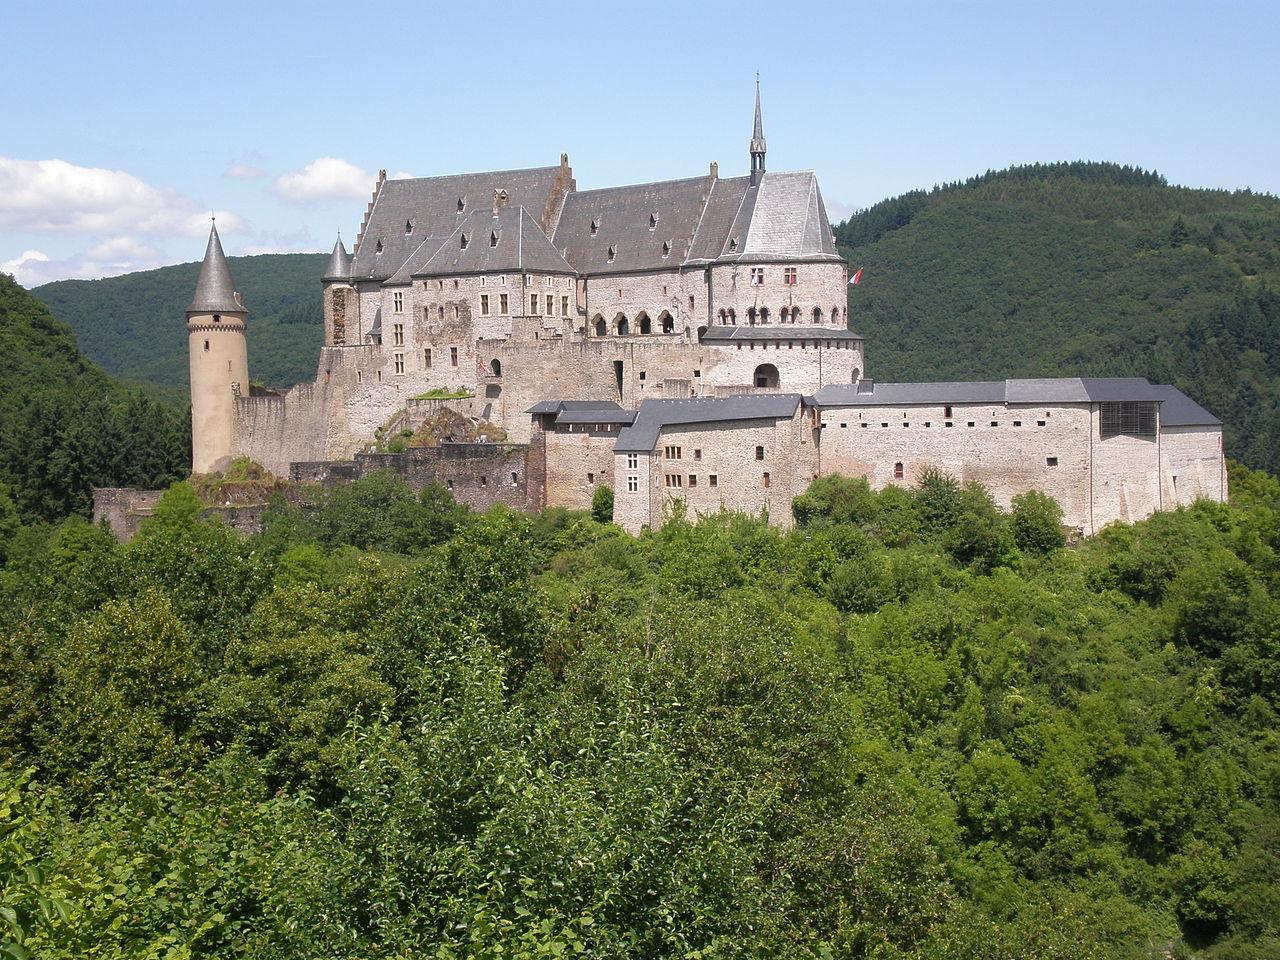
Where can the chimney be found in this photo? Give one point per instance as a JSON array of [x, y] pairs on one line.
[[714, 174], [499, 201]]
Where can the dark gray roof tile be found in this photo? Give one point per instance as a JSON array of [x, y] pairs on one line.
[[642, 436]]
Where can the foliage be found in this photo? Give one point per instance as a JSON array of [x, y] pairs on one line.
[[913, 727], [133, 325], [1080, 269], [65, 427], [602, 505]]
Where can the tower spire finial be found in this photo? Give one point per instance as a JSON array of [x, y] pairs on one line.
[[757, 141]]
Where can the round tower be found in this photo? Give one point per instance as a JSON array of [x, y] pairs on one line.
[[341, 305], [219, 360]]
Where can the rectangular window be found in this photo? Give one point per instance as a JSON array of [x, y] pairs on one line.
[[502, 302], [1050, 461], [671, 453], [697, 453], [713, 480], [533, 304], [1039, 423], [693, 479], [399, 363], [591, 477], [757, 276], [564, 306], [1127, 419], [633, 461], [789, 276], [946, 413], [766, 478], [426, 358], [633, 484], [399, 334], [484, 304], [397, 302], [453, 356], [484, 481], [551, 305], [674, 480]]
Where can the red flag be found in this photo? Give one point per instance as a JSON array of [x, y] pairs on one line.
[[856, 278]]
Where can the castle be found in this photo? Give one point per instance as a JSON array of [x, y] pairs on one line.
[[684, 339]]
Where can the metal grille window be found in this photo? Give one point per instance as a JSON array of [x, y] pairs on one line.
[[1127, 419]]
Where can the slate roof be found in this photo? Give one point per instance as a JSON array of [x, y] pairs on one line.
[[339, 265], [718, 217], [728, 334], [555, 406], [642, 436], [512, 241], [430, 204], [1177, 409], [215, 290]]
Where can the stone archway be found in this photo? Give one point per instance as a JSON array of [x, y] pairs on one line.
[[766, 376]]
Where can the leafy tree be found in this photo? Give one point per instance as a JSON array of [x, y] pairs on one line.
[[1036, 522], [602, 505]]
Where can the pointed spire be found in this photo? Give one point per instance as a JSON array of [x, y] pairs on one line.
[[215, 291], [757, 141], [339, 266]]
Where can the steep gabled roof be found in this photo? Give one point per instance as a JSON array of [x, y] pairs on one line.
[[215, 291], [509, 241], [783, 217], [653, 415], [429, 207]]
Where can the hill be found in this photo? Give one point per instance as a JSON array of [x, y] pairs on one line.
[[65, 426], [1079, 269], [133, 324]]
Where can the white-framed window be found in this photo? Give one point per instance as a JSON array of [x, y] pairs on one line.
[[564, 306], [398, 333], [757, 276], [551, 304], [484, 304], [713, 480], [397, 302], [633, 484], [671, 453], [533, 304], [675, 480], [633, 461], [789, 276], [399, 363], [503, 303]]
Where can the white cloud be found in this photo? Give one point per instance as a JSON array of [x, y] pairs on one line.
[[244, 171], [56, 196], [122, 248], [839, 212], [327, 178], [109, 258]]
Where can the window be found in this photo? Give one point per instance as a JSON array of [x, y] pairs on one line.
[[595, 227], [484, 481], [1127, 419], [440, 312], [378, 247], [551, 305], [398, 334], [905, 424], [533, 304], [612, 252], [653, 221], [1050, 461], [449, 484], [591, 477], [971, 424], [843, 426], [693, 479], [426, 358], [757, 276], [789, 276], [995, 423], [633, 484], [206, 345], [1039, 423], [697, 453], [733, 244], [397, 302], [564, 306], [759, 453], [697, 374], [666, 249], [453, 356], [493, 238], [643, 374], [713, 480], [897, 470], [691, 301], [408, 227], [515, 478], [674, 480], [399, 363], [1017, 423], [484, 304], [502, 304], [462, 204], [671, 453], [946, 413], [633, 461], [359, 376], [766, 478], [463, 241]]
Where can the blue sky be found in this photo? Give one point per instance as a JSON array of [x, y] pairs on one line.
[[125, 123]]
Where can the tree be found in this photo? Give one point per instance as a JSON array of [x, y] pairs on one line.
[[1037, 523], [602, 505]]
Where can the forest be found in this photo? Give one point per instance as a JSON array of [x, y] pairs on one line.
[[912, 727], [1079, 269]]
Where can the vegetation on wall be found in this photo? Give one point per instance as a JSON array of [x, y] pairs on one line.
[[1079, 269], [134, 326], [915, 727], [65, 427]]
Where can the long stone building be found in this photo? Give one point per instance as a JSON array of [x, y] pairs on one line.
[[684, 339]]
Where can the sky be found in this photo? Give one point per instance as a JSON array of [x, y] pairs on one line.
[[126, 124]]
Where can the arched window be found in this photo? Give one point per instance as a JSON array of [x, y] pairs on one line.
[[759, 453], [751, 316], [724, 316], [495, 367], [764, 314], [766, 375], [620, 325], [733, 317], [835, 314], [795, 314], [817, 315], [897, 470], [857, 375], [602, 328], [642, 323], [666, 323]]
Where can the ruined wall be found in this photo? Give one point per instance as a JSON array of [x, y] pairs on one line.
[[124, 509], [579, 460]]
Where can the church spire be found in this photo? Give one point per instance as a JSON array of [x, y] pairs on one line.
[[757, 142], [215, 291]]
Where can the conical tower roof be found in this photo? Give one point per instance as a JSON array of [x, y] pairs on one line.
[[215, 291], [339, 265]]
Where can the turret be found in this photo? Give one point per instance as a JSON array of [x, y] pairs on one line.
[[757, 143], [219, 360], [341, 305]]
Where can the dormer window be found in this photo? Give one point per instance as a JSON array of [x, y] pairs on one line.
[[595, 227], [653, 221], [462, 204], [666, 249], [733, 244], [464, 241], [408, 227], [493, 239], [613, 252], [378, 247]]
